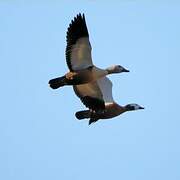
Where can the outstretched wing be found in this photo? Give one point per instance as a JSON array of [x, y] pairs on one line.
[[105, 86], [90, 95], [78, 49], [96, 94]]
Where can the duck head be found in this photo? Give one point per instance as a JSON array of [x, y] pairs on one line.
[[116, 69], [133, 107]]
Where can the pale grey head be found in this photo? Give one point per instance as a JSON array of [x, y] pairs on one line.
[[133, 107], [116, 69]]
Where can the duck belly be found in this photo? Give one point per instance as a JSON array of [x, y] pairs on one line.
[[85, 76], [79, 77], [112, 110], [108, 115]]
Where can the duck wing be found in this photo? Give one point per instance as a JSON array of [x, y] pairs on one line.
[[78, 49], [91, 96], [105, 86], [95, 95]]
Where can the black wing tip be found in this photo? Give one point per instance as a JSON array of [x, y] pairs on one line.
[[83, 15], [77, 29], [78, 17], [92, 121], [80, 14]]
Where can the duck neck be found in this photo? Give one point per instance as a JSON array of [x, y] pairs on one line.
[[122, 109], [110, 70], [119, 109], [125, 108]]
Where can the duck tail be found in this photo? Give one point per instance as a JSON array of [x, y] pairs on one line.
[[83, 114], [57, 82]]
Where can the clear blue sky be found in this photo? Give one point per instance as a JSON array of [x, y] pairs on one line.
[[40, 137]]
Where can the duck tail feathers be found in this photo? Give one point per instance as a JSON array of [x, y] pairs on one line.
[[83, 114], [57, 82]]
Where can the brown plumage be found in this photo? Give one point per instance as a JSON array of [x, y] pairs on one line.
[[79, 59], [103, 92], [111, 110]]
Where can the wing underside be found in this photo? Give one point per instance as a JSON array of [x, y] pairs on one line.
[[78, 49], [95, 94], [90, 95]]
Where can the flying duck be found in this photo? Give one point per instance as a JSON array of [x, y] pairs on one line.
[[78, 57], [97, 93]]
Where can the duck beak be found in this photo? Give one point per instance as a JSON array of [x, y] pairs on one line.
[[125, 70], [141, 107]]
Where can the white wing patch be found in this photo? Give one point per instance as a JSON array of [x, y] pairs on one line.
[[81, 54], [106, 88]]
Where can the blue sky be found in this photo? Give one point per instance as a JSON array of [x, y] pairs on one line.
[[39, 134]]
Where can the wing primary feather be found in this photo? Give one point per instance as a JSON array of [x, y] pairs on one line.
[[77, 29]]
